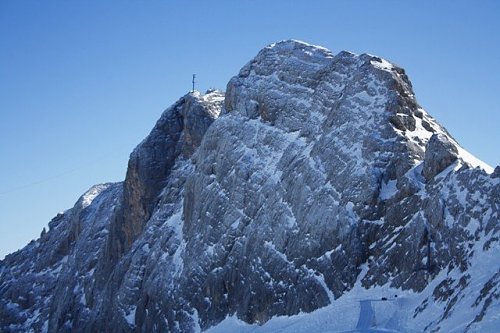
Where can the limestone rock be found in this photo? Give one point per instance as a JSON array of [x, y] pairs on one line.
[[439, 154], [178, 131], [317, 180]]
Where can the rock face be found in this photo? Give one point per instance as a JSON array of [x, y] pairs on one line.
[[439, 154], [178, 132], [322, 170]]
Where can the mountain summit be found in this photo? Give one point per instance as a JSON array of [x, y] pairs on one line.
[[315, 191]]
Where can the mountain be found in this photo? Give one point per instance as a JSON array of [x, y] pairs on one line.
[[314, 195]]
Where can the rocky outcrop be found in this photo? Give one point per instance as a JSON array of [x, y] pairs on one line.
[[319, 174], [42, 279], [439, 154], [178, 132]]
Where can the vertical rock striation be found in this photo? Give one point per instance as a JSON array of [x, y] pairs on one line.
[[177, 133], [322, 171]]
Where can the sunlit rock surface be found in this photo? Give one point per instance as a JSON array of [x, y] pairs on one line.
[[315, 177]]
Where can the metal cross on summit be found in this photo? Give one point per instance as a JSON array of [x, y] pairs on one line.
[[194, 77]]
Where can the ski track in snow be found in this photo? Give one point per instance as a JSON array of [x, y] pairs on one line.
[[352, 316]]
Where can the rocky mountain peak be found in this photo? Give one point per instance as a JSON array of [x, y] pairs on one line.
[[316, 181], [178, 132]]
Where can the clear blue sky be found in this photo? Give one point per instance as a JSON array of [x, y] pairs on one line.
[[83, 82]]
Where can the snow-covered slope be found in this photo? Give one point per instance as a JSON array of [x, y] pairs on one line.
[[321, 188]]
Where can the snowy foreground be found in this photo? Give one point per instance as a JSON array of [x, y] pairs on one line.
[[349, 314], [379, 309]]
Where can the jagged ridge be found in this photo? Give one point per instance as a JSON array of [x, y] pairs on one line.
[[320, 165]]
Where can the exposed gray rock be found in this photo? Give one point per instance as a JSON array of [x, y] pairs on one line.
[[496, 173], [320, 172], [178, 131], [59, 265], [439, 154]]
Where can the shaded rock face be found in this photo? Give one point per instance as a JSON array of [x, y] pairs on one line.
[[439, 154], [320, 167], [178, 132], [36, 279]]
